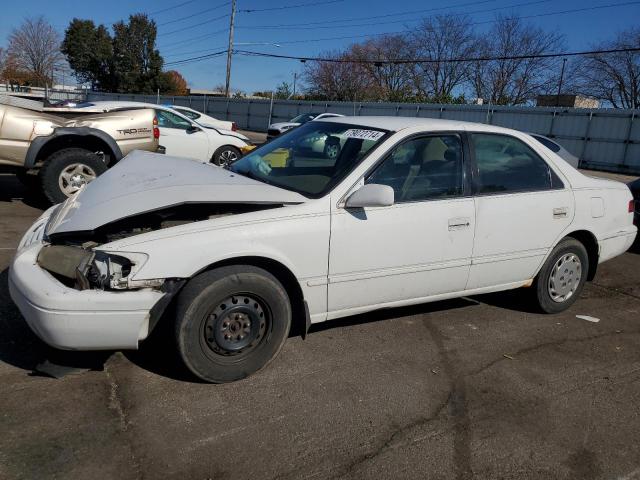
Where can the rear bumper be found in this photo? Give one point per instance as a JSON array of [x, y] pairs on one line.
[[71, 319], [617, 244]]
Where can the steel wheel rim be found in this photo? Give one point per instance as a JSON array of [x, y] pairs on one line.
[[227, 157], [75, 176], [565, 277], [236, 325]]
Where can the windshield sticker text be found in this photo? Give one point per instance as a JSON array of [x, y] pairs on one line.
[[363, 134]]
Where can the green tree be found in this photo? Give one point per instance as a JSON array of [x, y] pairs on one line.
[[89, 51], [138, 64]]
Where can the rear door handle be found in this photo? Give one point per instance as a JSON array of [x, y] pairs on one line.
[[459, 223], [560, 212]]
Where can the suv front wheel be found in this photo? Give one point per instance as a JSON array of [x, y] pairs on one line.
[[68, 170]]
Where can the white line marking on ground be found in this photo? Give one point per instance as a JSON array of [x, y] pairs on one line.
[[588, 318]]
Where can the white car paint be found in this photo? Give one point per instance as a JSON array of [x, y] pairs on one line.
[[345, 261], [203, 119], [279, 128], [200, 143]]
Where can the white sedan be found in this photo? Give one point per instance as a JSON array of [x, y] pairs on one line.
[[182, 136], [203, 119], [410, 211]]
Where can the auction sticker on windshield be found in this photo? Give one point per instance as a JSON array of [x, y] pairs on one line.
[[363, 134]]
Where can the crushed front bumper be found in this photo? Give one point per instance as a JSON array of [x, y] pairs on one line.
[[72, 319]]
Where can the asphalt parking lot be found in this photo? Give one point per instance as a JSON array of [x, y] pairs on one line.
[[480, 387]]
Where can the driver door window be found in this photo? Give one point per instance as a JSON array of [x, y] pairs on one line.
[[424, 168], [170, 120]]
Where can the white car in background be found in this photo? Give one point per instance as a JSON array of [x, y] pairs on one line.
[[412, 210], [276, 129], [204, 120], [183, 137]]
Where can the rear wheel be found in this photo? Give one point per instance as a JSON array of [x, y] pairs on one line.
[[231, 322], [562, 276], [226, 155], [66, 171]]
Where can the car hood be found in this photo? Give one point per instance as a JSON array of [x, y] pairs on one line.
[[280, 125], [143, 182]]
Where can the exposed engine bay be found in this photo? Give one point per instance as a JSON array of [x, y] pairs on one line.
[[71, 256]]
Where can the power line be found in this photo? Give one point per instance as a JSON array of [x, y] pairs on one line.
[[194, 14], [194, 59], [194, 25], [352, 19], [287, 7], [536, 2], [398, 32], [438, 60], [193, 51], [172, 7]]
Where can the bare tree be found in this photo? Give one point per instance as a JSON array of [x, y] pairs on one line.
[[614, 77], [343, 81], [439, 38], [391, 81], [514, 81], [35, 48]]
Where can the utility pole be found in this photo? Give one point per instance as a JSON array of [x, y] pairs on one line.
[[230, 48], [295, 77], [564, 61]]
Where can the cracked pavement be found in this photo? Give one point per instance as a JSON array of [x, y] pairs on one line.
[[479, 387]]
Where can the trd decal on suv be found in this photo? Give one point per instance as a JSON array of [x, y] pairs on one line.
[[133, 131]]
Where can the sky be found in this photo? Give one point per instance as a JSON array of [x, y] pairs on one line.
[[307, 27]]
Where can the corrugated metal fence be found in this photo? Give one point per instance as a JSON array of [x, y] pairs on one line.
[[605, 139]]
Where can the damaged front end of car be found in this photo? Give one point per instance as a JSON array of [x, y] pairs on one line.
[[76, 259]]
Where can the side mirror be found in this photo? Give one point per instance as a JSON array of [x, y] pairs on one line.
[[371, 195], [193, 129]]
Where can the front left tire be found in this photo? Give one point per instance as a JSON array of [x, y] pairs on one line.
[[226, 155], [231, 322]]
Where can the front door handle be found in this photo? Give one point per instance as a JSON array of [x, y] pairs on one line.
[[458, 223]]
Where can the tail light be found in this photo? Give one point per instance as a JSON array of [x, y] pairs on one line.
[[156, 130], [631, 206], [234, 127]]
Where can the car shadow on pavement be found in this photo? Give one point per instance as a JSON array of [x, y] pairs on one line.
[[20, 347], [11, 189]]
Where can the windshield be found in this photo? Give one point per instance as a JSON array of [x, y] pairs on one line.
[[312, 158], [304, 118]]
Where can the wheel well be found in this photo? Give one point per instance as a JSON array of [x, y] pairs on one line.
[[88, 142], [289, 282], [591, 245]]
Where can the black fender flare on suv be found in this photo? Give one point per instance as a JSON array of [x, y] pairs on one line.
[[38, 143]]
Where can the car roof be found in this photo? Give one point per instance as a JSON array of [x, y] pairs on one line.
[[401, 123]]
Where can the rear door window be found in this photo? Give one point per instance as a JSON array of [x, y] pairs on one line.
[[506, 164]]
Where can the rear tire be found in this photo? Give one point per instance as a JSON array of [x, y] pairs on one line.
[[231, 322], [66, 170], [562, 277], [226, 155]]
